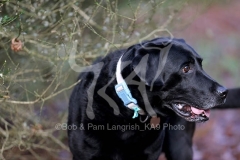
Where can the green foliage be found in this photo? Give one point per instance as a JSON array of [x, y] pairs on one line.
[[7, 20]]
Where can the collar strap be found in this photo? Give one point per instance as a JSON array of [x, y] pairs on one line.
[[124, 93]]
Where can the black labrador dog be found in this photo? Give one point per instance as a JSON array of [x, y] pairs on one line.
[[127, 103]]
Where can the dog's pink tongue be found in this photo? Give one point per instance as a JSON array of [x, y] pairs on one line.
[[199, 111]]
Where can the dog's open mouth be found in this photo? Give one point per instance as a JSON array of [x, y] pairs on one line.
[[191, 113]]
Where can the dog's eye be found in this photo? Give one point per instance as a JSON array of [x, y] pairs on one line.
[[186, 69]]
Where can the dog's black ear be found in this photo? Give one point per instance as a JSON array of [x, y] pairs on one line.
[[148, 60]]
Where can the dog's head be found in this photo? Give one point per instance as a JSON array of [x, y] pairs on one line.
[[173, 71]]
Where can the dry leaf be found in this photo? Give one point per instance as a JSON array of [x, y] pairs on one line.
[[16, 45]]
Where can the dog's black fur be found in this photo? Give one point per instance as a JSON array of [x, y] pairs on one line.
[[172, 86]]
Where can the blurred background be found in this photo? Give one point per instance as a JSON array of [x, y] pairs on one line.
[[36, 38]]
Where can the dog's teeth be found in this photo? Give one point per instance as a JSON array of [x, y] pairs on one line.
[[179, 106]]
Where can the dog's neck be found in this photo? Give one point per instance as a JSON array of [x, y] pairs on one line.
[[125, 95]]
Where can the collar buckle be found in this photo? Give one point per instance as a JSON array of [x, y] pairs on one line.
[[125, 95]]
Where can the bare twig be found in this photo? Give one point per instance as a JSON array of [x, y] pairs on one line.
[[40, 99], [85, 16]]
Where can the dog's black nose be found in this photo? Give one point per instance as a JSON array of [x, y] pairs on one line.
[[222, 91]]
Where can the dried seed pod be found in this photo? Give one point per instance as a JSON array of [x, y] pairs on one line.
[[16, 45]]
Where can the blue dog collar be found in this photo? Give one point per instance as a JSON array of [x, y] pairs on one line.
[[124, 93]]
